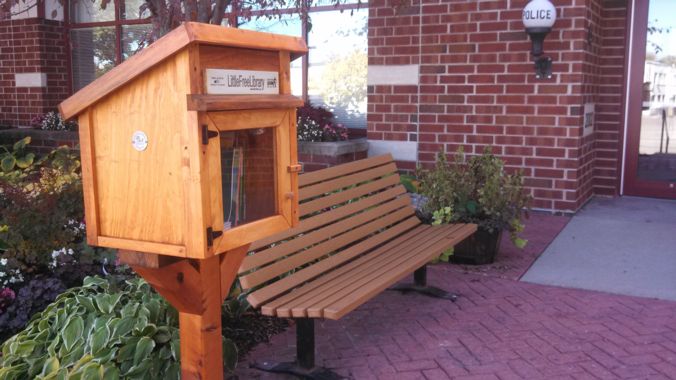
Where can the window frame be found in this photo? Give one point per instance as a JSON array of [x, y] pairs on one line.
[[232, 17]]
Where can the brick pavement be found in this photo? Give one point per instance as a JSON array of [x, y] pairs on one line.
[[498, 329]]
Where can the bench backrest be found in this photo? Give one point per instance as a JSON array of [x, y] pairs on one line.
[[345, 211]]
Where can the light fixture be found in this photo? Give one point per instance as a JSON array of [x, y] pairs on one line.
[[538, 17]]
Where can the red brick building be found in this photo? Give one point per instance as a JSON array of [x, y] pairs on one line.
[[449, 73], [477, 87]]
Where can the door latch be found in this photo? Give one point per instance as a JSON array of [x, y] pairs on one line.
[[207, 134]]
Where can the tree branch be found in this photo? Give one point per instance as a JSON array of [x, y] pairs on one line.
[[203, 10], [219, 11], [190, 10]]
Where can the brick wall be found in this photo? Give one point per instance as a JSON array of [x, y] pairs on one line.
[[31, 45], [609, 111], [42, 142], [477, 88]]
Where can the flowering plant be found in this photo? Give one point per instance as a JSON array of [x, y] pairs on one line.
[[7, 295], [9, 274], [315, 123], [52, 121]]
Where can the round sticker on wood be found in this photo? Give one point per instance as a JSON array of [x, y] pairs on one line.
[[139, 140]]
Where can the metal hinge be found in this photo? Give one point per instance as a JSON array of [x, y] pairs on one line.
[[207, 134], [211, 235]]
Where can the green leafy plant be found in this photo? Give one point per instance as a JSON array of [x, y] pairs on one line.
[[42, 209], [42, 246], [99, 330], [3, 244], [443, 216], [478, 190], [105, 329], [18, 157], [410, 183]]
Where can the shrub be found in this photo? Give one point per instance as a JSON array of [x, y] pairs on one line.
[[107, 326], [315, 124], [41, 207], [42, 245], [476, 190]]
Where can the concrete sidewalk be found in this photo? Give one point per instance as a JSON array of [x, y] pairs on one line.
[[623, 245]]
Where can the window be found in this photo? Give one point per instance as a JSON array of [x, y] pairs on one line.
[[338, 62], [336, 65], [288, 24], [99, 40], [88, 11], [332, 75], [92, 53]]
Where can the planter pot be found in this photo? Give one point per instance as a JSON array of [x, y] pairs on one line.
[[480, 248], [320, 155]]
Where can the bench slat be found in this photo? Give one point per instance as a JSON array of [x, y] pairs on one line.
[[337, 171], [343, 196], [325, 247], [285, 284], [340, 285], [278, 307], [277, 252], [368, 289], [346, 181], [327, 217]]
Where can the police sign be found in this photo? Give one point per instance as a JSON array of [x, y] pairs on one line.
[[539, 14]]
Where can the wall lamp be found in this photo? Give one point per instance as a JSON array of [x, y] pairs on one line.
[[538, 17]]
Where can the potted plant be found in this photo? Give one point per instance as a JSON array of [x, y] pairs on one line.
[[476, 190]]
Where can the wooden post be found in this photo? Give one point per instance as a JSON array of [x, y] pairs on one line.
[[196, 288]]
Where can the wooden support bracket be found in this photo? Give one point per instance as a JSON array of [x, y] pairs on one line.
[[196, 288]]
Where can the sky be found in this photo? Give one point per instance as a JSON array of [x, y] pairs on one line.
[[662, 13]]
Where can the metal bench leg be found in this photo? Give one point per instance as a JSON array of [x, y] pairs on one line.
[[419, 285], [304, 366]]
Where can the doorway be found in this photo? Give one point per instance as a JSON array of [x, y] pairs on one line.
[[650, 162]]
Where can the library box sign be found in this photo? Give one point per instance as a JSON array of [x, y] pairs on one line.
[[241, 82]]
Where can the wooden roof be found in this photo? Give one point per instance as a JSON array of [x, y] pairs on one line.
[[172, 42]]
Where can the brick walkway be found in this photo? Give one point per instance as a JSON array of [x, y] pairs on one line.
[[498, 329]]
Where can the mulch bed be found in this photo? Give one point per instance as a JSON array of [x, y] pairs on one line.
[[251, 329], [511, 262]]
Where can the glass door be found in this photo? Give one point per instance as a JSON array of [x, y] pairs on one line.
[[651, 136]]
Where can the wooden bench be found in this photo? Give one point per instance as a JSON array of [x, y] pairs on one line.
[[358, 235]]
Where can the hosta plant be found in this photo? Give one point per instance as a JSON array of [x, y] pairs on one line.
[[16, 158], [105, 329]]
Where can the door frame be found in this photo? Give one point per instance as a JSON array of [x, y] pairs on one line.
[[637, 24]]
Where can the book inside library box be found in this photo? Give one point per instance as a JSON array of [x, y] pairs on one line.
[[248, 176]]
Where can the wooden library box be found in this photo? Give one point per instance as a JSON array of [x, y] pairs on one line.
[[189, 147]]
